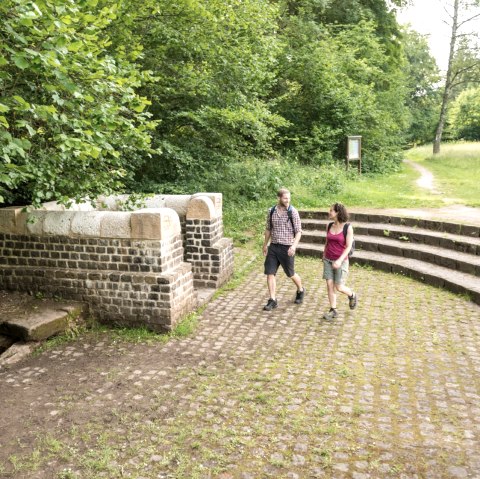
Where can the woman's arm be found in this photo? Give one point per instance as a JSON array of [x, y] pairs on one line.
[[348, 247]]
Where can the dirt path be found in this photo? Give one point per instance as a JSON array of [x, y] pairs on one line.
[[426, 179], [391, 390]]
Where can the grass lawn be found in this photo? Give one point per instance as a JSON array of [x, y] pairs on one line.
[[396, 190], [456, 170]]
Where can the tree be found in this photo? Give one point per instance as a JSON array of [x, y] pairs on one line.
[[71, 122], [461, 47], [214, 63], [465, 115], [422, 77], [336, 80]]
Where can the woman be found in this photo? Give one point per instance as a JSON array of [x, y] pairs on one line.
[[335, 258]]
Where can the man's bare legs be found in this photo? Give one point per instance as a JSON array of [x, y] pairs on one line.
[[272, 286]]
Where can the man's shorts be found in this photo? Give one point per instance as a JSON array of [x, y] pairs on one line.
[[278, 255], [339, 275]]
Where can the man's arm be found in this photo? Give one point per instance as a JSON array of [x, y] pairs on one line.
[[297, 224], [265, 241], [293, 248]]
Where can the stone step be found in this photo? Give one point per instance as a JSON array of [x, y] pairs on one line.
[[439, 276], [470, 230], [464, 262], [41, 320], [454, 242]]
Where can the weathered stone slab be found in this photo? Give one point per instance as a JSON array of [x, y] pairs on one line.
[[202, 208], [7, 219], [42, 323], [16, 353], [35, 221], [58, 222], [87, 223], [178, 203], [155, 223], [116, 224]]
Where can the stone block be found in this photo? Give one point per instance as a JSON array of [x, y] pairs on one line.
[[201, 208], [110, 203], [58, 223], [470, 230], [156, 201], [41, 323], [16, 353], [52, 206], [116, 224], [178, 203], [13, 220], [155, 223], [217, 200], [35, 222], [87, 223], [86, 206]]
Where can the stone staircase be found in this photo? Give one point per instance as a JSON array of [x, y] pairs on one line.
[[439, 253], [26, 320]]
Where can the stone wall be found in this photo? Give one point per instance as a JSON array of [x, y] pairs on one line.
[[131, 268]]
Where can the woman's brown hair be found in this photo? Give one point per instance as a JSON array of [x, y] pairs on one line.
[[342, 213]]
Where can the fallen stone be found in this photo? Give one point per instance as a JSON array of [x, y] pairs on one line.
[[42, 323], [16, 353]]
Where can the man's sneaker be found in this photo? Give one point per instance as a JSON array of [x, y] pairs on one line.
[[352, 301], [271, 304], [332, 314], [300, 295]]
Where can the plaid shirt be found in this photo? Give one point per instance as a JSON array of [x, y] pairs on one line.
[[282, 231]]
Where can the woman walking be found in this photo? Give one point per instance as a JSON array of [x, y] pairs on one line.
[[335, 258]]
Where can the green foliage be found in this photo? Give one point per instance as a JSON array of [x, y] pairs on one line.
[[72, 123], [214, 63], [337, 81], [173, 97], [465, 115], [423, 99]]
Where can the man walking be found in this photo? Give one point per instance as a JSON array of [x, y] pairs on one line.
[[283, 230]]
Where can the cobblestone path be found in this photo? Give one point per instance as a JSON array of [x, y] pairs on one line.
[[391, 390]]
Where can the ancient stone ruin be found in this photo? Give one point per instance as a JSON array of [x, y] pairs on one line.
[[144, 267]]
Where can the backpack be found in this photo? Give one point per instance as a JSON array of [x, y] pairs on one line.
[[289, 214], [345, 230]]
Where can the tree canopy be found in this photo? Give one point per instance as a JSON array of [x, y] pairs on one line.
[[154, 95]]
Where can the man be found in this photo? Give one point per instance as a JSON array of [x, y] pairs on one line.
[[283, 230]]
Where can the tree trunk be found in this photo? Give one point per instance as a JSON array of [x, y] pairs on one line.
[[448, 82]]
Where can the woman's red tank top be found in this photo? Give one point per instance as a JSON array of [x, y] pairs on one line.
[[335, 246]]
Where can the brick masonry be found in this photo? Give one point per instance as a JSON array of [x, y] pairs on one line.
[[131, 268], [125, 281], [210, 255]]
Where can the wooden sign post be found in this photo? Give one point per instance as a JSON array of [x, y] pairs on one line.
[[354, 151]]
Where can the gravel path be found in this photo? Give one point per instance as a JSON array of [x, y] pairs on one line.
[[389, 390]]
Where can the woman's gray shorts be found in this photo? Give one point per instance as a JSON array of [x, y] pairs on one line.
[[339, 275]]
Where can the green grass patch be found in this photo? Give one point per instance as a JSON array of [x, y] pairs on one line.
[[394, 190], [456, 170]]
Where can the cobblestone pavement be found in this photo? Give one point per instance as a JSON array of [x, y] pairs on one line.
[[391, 389]]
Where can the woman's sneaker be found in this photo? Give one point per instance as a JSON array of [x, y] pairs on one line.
[[352, 301], [271, 304], [332, 314]]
